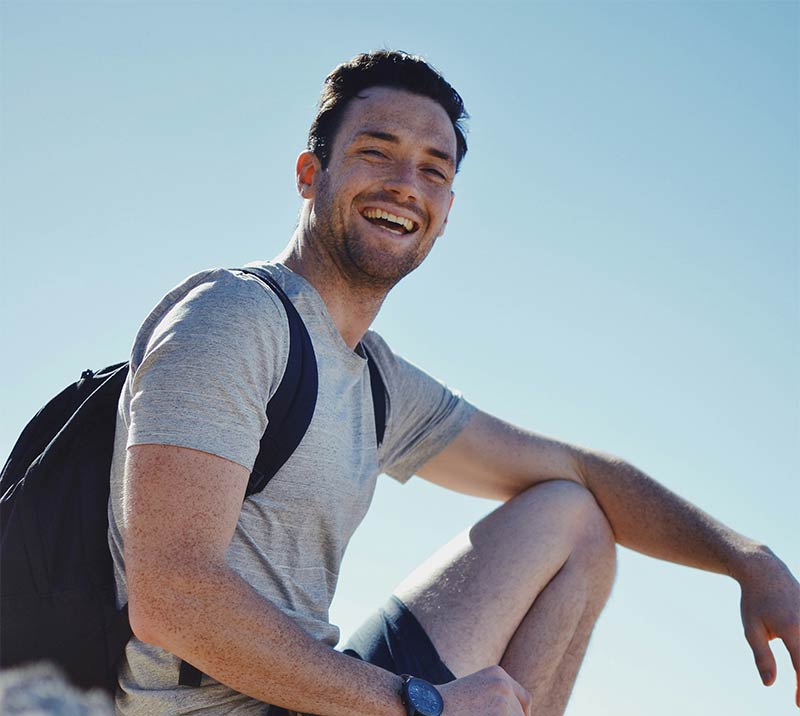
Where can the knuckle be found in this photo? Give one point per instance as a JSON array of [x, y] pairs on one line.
[[497, 670], [497, 677], [497, 685]]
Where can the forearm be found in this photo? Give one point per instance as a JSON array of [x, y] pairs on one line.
[[218, 623], [649, 518]]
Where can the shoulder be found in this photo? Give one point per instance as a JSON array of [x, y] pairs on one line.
[[394, 368], [234, 290], [423, 413], [219, 297], [218, 310]]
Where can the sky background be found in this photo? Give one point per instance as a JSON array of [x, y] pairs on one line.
[[620, 268]]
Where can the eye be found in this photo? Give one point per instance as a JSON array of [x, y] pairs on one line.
[[373, 153], [436, 173]]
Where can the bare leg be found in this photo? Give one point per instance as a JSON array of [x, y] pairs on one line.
[[522, 589]]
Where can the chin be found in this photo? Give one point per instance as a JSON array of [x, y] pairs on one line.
[[384, 268], [381, 262]]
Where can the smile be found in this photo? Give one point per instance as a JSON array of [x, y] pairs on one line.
[[392, 222]]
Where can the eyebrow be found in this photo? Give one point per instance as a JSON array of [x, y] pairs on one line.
[[394, 139]]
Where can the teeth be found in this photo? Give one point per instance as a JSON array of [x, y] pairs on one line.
[[380, 214]]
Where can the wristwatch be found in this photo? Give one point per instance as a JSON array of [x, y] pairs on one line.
[[421, 698]]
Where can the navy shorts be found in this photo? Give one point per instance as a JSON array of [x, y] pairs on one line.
[[393, 639]]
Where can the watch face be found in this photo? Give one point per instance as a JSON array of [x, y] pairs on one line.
[[425, 698]]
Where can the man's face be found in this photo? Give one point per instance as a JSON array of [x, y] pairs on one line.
[[384, 197]]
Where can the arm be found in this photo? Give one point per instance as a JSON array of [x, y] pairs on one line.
[[181, 507], [493, 459]]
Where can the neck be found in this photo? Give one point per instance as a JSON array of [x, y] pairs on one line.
[[352, 306]]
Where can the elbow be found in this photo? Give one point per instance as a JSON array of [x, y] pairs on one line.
[[166, 599], [150, 609], [143, 625]]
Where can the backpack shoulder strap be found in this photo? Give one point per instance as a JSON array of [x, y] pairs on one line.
[[378, 396], [291, 408]]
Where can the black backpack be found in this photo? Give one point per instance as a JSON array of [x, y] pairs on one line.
[[57, 590]]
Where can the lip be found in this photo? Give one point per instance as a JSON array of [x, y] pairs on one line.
[[389, 209], [388, 232]]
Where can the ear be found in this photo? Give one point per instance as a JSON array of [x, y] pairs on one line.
[[444, 223], [306, 172]]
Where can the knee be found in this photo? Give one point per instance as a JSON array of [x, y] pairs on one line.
[[574, 504], [581, 516]]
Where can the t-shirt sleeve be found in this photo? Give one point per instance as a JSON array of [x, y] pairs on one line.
[[206, 363], [423, 414]]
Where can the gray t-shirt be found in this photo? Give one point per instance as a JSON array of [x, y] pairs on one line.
[[203, 367]]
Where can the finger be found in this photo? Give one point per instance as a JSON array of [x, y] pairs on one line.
[[756, 636], [524, 698], [520, 692], [792, 644]]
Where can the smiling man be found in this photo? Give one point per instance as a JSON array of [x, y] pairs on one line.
[[495, 623], [381, 198]]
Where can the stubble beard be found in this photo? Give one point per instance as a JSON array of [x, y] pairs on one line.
[[380, 269], [359, 257]]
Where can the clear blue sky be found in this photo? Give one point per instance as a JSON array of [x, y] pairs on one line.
[[620, 269]]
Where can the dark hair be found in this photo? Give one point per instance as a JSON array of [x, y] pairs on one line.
[[386, 68]]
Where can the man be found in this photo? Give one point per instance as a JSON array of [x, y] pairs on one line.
[[498, 622]]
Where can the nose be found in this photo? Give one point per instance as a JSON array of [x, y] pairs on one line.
[[402, 182]]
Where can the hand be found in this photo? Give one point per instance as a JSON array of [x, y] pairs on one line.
[[771, 610], [488, 692]]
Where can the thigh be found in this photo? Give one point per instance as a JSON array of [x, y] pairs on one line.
[[471, 596]]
